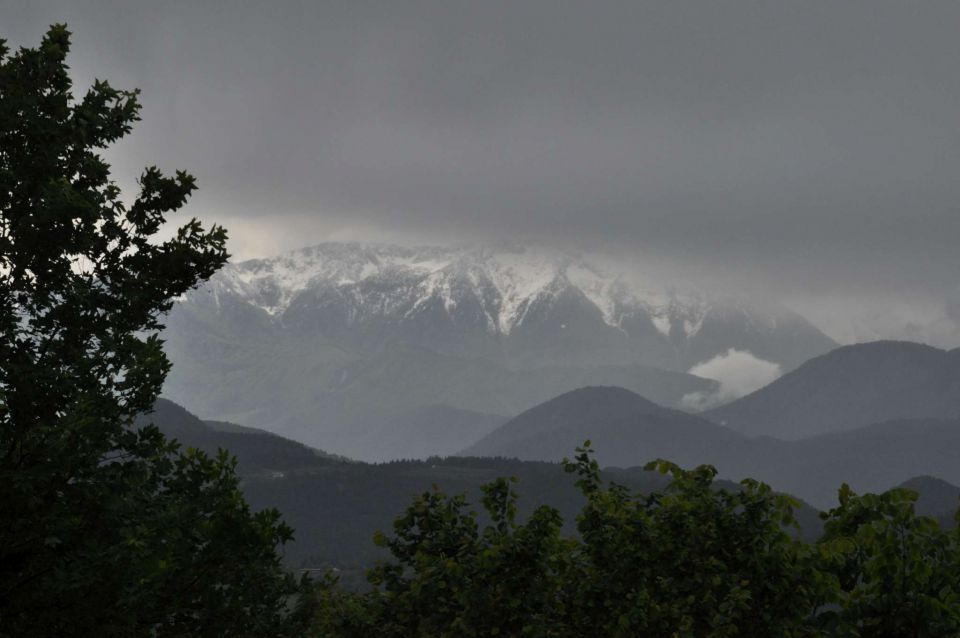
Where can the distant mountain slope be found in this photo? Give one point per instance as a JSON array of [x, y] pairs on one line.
[[623, 427], [937, 498], [256, 451], [415, 433], [627, 430], [336, 400], [336, 509], [335, 506], [851, 387], [870, 459]]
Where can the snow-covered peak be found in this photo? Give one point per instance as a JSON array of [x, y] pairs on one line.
[[273, 283], [506, 278]]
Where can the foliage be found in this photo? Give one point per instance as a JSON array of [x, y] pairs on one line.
[[451, 579], [896, 573], [691, 560], [686, 560], [106, 528]]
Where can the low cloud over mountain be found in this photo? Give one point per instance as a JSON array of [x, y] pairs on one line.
[[737, 372]]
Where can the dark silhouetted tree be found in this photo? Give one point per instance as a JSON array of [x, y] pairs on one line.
[[106, 529]]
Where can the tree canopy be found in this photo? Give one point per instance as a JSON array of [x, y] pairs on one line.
[[690, 560], [106, 528]]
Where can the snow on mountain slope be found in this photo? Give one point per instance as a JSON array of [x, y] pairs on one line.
[[514, 276], [530, 306]]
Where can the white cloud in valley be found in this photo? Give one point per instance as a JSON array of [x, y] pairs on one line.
[[737, 373]]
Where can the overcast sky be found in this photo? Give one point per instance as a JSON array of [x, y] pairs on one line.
[[805, 150]]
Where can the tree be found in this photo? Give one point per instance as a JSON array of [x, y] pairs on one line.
[[688, 560], [897, 574], [691, 560], [106, 528], [450, 579]]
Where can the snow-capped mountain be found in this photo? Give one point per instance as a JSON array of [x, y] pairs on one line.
[[528, 306], [507, 283], [324, 343]]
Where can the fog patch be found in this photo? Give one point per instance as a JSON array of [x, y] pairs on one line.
[[953, 306], [737, 373]]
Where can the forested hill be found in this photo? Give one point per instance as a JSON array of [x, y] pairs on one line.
[[257, 451], [626, 428], [336, 505]]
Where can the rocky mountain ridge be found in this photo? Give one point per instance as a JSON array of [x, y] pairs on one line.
[[530, 306]]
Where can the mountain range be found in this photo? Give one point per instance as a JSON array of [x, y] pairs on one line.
[[491, 361], [336, 505], [333, 344], [628, 430], [519, 305]]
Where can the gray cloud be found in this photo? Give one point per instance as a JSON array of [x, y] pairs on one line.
[[803, 149], [953, 305]]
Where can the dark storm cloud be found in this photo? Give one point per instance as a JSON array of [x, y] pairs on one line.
[[803, 146]]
